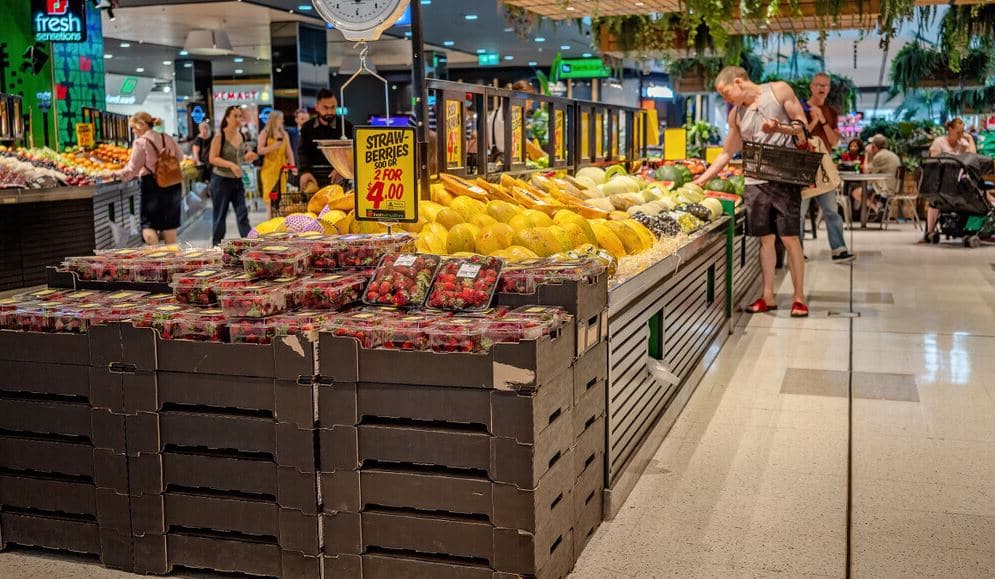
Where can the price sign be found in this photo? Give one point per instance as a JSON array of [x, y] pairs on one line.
[[454, 134], [613, 138], [559, 140], [517, 135], [599, 136], [85, 135], [585, 135], [386, 174]]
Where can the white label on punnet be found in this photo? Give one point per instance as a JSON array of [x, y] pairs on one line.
[[405, 260], [468, 270]]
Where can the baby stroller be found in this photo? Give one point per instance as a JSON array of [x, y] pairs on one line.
[[955, 184]]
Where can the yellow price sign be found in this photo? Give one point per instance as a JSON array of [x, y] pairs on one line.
[[454, 134], [85, 135], [613, 142], [599, 136], [517, 135], [386, 174], [559, 135], [675, 143], [585, 135]]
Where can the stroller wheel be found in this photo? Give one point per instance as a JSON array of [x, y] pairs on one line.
[[972, 241], [934, 237]]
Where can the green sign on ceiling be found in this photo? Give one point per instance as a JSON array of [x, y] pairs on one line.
[[582, 68], [488, 59]]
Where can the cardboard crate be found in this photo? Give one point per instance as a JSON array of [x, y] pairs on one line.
[[58, 418], [499, 459], [428, 490], [517, 415], [68, 381], [265, 521], [66, 533], [507, 366], [466, 538], [588, 504], [47, 495], [589, 408], [589, 368], [154, 474], [72, 458], [71, 349], [287, 358], [590, 447], [410, 565], [160, 554], [583, 299], [592, 332]]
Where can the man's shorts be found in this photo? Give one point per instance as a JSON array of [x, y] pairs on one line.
[[773, 208]]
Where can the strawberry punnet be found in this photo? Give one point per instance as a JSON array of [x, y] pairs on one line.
[[402, 280], [465, 284]]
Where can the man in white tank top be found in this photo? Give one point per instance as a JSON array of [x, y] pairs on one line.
[[762, 113]]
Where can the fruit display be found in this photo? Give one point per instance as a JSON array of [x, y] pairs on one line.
[[254, 301], [234, 281], [365, 327], [201, 325], [329, 292], [8, 308], [198, 288], [157, 267], [362, 251], [300, 322], [232, 250], [35, 316], [273, 261], [513, 328], [44, 295], [121, 311], [72, 318], [409, 332], [324, 251], [465, 284], [402, 280], [251, 331], [466, 335], [161, 318]]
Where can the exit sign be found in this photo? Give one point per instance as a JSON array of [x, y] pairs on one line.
[[488, 59]]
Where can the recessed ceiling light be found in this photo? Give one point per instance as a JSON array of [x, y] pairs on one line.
[[587, 55], [125, 44], [470, 17], [239, 71], [167, 89], [640, 4], [239, 59], [571, 8], [448, 43], [168, 62], [509, 57], [139, 69], [533, 63], [426, 2], [108, 56], [509, 29], [304, 7], [184, 53], [481, 50], [565, 47], [187, 65], [540, 39]]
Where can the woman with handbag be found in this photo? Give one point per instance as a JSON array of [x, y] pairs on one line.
[[155, 159], [228, 153]]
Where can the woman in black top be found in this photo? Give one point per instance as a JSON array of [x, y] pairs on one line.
[[201, 150]]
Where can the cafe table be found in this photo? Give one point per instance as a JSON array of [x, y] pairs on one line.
[[851, 180]]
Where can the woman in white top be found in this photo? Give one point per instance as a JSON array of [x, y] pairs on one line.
[[955, 142]]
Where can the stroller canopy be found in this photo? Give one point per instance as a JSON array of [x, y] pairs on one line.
[[956, 182]]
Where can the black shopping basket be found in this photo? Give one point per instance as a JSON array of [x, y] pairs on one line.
[[288, 198], [782, 164]]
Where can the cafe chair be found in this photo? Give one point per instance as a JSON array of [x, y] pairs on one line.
[[893, 206], [844, 201]]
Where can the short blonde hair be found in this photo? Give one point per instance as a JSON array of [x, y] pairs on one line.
[[729, 74]]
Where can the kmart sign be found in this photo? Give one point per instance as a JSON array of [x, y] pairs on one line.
[[58, 20]]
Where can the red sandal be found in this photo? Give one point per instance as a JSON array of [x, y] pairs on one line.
[[799, 310], [759, 307]]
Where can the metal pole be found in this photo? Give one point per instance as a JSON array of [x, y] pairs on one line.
[[420, 96]]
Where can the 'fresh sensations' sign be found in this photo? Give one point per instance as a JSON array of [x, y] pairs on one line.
[[58, 20]]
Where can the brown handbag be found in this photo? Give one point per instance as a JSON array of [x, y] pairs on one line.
[[167, 169]]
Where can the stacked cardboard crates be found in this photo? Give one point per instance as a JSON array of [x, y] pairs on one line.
[[63, 470], [454, 465], [221, 455]]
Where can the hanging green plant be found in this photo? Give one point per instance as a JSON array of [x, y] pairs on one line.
[[917, 65]]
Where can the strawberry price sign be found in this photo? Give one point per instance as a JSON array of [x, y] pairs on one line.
[[386, 174]]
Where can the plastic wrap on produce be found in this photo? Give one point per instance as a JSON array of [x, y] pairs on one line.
[[632, 265]]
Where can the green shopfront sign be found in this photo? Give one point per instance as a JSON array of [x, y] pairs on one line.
[[58, 20], [578, 68], [488, 59]]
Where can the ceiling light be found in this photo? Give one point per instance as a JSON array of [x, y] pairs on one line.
[[167, 89], [587, 55], [304, 7], [208, 42], [481, 50], [108, 56], [565, 47], [509, 57], [184, 53], [509, 29], [139, 69], [168, 62], [239, 59], [239, 71], [125, 44], [540, 39], [571, 8], [426, 2], [640, 4], [470, 17], [533, 63], [187, 65], [448, 43]]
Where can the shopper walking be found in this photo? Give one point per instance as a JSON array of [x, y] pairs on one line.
[[274, 148], [201, 151], [955, 142], [769, 113], [822, 124], [314, 169], [228, 152], [161, 186]]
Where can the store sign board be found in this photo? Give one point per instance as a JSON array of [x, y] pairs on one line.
[[85, 135], [58, 20], [454, 134], [488, 59], [386, 174], [583, 68], [517, 134], [127, 90]]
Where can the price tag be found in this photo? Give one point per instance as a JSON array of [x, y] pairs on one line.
[[585, 135], [599, 136], [406, 260], [454, 134], [469, 270], [205, 273], [386, 174], [559, 138], [85, 135], [517, 135]]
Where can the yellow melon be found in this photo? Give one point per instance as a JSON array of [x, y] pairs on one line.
[[577, 236], [608, 240], [462, 237], [538, 218], [562, 237], [468, 207], [502, 210], [629, 238], [520, 253], [437, 230], [649, 240], [429, 209], [449, 218], [565, 216], [440, 195], [482, 220], [494, 237]]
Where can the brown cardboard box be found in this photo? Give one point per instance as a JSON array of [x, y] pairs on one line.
[[589, 408], [120, 389], [500, 413], [152, 474], [589, 368], [590, 446], [583, 299], [588, 504], [409, 566], [44, 378], [47, 494], [122, 344], [46, 348], [591, 332], [518, 366], [162, 514], [500, 459], [105, 468], [508, 550], [66, 534], [503, 505], [288, 358], [159, 554], [46, 417]]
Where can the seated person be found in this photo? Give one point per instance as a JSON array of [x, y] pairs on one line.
[[955, 142], [879, 159]]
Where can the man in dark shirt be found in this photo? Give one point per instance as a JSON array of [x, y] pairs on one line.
[[314, 169], [823, 123]]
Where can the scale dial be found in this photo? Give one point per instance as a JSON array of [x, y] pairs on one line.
[[361, 19]]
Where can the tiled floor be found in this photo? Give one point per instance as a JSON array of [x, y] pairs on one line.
[[752, 480]]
